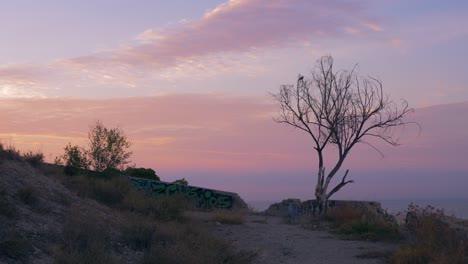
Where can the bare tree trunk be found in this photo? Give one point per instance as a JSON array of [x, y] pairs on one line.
[[321, 192]]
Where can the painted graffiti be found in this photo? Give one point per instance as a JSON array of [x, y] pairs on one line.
[[204, 197]]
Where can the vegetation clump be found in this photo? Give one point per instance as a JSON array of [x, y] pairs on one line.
[[230, 217], [433, 238], [141, 173], [356, 223]]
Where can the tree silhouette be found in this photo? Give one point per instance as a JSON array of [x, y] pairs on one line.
[[339, 109]]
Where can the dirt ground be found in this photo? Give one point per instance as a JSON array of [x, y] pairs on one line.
[[278, 242]]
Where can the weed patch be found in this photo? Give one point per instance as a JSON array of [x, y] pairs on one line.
[[83, 240], [34, 158], [432, 239], [356, 224], [230, 217]]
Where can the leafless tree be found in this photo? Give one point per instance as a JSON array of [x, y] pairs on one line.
[[339, 108]]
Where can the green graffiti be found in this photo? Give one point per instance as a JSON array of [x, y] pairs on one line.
[[203, 197]]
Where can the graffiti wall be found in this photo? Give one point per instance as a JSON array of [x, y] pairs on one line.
[[204, 197]]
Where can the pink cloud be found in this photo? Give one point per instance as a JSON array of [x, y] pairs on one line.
[[224, 40], [239, 26]]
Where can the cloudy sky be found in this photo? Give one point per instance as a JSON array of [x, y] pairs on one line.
[[189, 82]]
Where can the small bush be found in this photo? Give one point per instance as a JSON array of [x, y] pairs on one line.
[[74, 156], [141, 173], [182, 181], [34, 158], [230, 217]]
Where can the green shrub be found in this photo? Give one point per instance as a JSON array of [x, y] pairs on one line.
[[141, 173], [74, 157], [357, 224]]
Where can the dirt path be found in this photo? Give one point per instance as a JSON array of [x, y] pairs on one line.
[[277, 242]]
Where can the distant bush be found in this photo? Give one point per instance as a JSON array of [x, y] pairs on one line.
[[432, 237], [34, 158], [141, 173], [182, 181], [9, 153]]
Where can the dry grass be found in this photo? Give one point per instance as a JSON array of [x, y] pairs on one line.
[[432, 239], [142, 229], [190, 243], [230, 217], [9, 153], [34, 158], [84, 239], [7, 207], [28, 195]]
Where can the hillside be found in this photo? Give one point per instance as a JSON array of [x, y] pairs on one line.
[[48, 217]]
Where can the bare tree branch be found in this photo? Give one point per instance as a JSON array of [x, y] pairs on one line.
[[339, 108]]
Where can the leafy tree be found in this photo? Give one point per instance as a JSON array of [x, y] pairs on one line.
[[338, 109], [108, 148]]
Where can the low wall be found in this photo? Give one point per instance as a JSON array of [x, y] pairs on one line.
[[311, 207], [205, 198]]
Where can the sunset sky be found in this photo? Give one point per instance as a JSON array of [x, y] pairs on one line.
[[189, 82]]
